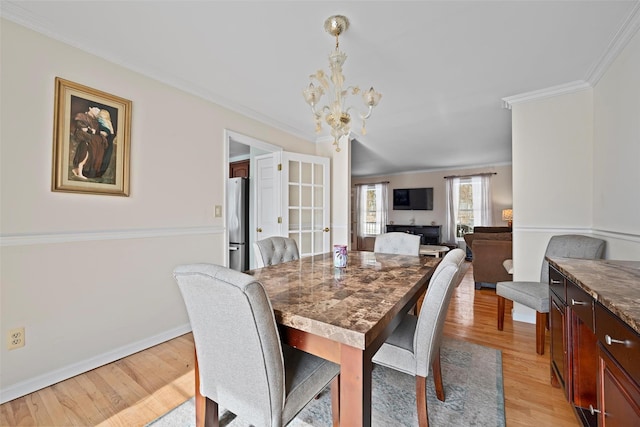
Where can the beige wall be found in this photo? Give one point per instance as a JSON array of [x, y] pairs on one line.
[[552, 175], [575, 160], [90, 276], [616, 175]]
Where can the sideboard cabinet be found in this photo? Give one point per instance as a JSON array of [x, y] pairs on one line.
[[429, 234], [594, 352]]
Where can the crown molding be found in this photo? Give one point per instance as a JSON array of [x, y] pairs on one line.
[[562, 89], [620, 40], [626, 32]]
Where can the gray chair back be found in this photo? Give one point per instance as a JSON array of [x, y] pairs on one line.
[[571, 246], [275, 250], [456, 257], [428, 335], [237, 342], [397, 243]]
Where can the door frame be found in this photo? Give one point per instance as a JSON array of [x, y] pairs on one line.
[[230, 137]]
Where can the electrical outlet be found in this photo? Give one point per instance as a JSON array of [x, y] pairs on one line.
[[15, 339], [218, 211]]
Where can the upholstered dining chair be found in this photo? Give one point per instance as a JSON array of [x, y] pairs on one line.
[[397, 243], [456, 256], [275, 250], [535, 295], [415, 344], [241, 362]]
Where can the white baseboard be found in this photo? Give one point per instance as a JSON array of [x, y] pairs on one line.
[[45, 380]]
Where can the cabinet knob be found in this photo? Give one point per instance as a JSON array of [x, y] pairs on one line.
[[326, 229], [594, 410], [574, 302], [259, 230], [556, 282], [609, 340]]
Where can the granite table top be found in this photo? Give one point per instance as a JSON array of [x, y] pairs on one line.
[[614, 284], [350, 305]]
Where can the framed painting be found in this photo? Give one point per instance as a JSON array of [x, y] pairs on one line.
[[91, 141]]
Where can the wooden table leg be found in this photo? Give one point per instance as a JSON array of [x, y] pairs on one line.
[[355, 387]]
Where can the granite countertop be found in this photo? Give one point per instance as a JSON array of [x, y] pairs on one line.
[[614, 284], [349, 305]]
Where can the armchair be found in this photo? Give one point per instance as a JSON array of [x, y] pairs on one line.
[[490, 247]]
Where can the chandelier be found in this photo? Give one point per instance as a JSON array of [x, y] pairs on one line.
[[334, 113]]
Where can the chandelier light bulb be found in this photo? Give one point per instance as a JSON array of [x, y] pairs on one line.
[[334, 114]]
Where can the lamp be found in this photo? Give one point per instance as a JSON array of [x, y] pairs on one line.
[[335, 114], [507, 215]]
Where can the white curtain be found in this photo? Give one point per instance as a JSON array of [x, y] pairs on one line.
[[452, 194], [482, 191], [364, 227], [383, 209], [360, 203], [482, 202]]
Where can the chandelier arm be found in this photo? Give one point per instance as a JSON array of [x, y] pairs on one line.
[[313, 110], [366, 116], [325, 109]]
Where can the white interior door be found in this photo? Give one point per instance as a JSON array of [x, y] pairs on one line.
[[306, 201], [267, 203]]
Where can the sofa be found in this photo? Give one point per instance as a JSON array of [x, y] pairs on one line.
[[490, 247]]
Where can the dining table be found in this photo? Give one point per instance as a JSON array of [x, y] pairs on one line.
[[345, 314]]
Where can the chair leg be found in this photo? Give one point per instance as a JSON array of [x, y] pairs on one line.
[[500, 313], [206, 409], [421, 401], [335, 401], [541, 321], [211, 416], [437, 376]]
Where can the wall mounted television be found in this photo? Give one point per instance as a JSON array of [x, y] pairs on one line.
[[414, 199]]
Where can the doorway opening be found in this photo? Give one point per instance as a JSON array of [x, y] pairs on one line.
[[241, 152]]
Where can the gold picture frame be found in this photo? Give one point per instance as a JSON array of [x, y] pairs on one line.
[[91, 141]]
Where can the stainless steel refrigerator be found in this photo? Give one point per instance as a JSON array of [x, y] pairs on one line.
[[238, 223]]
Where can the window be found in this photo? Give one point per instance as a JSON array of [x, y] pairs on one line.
[[371, 209], [468, 204], [467, 210]]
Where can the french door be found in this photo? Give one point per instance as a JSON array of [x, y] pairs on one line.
[[292, 200], [305, 201]]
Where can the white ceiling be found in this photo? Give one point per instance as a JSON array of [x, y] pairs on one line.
[[443, 67]]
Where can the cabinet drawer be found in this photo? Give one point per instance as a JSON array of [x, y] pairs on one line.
[[581, 303], [556, 284], [618, 339]]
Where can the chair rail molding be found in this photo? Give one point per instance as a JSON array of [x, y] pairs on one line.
[[85, 236]]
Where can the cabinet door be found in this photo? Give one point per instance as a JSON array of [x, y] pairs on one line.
[[584, 366], [584, 345], [558, 343], [619, 395], [239, 169]]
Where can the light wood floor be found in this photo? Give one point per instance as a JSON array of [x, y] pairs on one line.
[[143, 386]]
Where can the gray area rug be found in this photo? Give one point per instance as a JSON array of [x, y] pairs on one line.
[[474, 396]]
